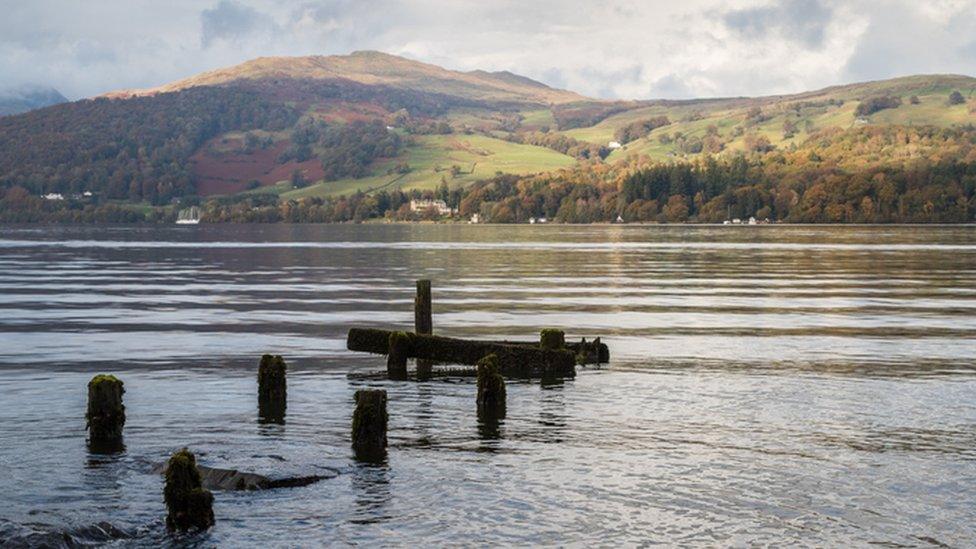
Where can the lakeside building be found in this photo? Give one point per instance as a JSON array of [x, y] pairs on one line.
[[424, 205]]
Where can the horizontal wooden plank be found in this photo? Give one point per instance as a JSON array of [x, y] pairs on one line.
[[514, 359]]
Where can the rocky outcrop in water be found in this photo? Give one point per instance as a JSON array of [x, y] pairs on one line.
[[215, 478]]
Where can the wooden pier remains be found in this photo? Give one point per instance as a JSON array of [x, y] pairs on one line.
[[548, 357]]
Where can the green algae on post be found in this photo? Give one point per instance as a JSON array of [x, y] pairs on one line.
[[491, 387], [188, 503], [369, 422], [272, 389], [551, 338], [105, 418]]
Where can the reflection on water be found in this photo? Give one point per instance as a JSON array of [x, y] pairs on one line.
[[769, 385], [371, 486]]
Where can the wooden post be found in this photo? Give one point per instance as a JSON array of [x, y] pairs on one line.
[[369, 423], [396, 358], [188, 503], [552, 339], [491, 388], [423, 324], [272, 389], [106, 414]]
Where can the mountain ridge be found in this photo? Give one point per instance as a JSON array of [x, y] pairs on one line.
[[28, 97], [378, 68], [320, 126], [373, 68]]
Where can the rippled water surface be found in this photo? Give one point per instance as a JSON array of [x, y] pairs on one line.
[[793, 385]]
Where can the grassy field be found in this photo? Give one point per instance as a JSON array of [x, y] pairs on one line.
[[430, 159], [536, 119], [932, 109], [486, 153]]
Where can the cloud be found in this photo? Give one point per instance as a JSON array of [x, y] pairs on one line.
[[605, 48], [231, 20], [914, 37], [803, 20]]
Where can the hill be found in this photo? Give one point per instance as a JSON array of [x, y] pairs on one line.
[[25, 98], [735, 124], [321, 126], [375, 69]]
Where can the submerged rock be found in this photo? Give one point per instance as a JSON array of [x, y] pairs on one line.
[[100, 533], [215, 478]]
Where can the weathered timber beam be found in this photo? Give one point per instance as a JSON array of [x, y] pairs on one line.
[[514, 360], [376, 340]]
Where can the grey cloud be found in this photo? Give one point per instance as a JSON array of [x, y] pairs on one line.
[[232, 20], [89, 53], [672, 86], [604, 48], [607, 79], [803, 20], [553, 77], [900, 41]]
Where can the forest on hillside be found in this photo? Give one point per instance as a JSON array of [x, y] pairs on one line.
[[865, 175], [138, 149]]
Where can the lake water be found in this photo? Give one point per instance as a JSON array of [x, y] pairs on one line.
[[782, 385]]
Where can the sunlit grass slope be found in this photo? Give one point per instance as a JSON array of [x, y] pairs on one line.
[[431, 159]]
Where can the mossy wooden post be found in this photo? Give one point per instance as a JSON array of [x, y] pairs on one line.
[[106, 414], [590, 353], [423, 323], [188, 503], [552, 339], [369, 422], [396, 360], [491, 388], [272, 389]]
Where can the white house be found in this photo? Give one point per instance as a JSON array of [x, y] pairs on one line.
[[614, 145], [424, 205], [54, 196]]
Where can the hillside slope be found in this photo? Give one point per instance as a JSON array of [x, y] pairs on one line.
[[736, 124], [26, 98], [322, 126], [376, 68]]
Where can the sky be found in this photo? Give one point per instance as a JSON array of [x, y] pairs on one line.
[[601, 48]]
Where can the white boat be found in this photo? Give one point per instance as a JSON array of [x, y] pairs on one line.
[[188, 216]]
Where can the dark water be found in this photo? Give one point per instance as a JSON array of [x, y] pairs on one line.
[[783, 385]]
